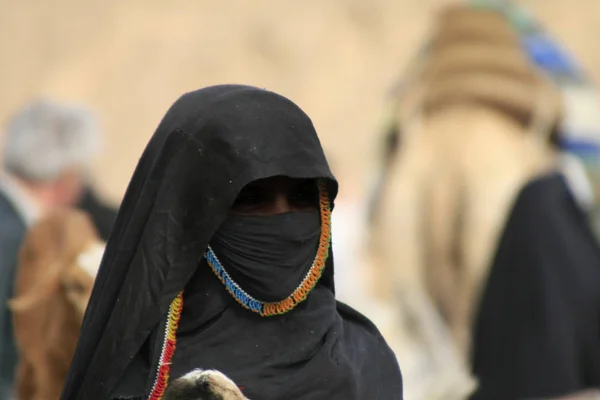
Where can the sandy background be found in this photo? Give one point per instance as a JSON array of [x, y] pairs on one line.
[[129, 60]]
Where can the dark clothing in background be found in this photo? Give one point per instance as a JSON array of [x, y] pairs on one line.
[[537, 334], [12, 232], [210, 144], [103, 215]]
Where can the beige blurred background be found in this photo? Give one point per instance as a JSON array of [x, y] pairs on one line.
[[129, 60]]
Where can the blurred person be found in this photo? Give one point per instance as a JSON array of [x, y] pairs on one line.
[[537, 333], [221, 259], [538, 327], [47, 146]]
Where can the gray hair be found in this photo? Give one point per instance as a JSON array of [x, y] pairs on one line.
[[45, 138]]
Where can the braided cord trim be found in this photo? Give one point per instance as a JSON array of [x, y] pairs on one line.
[[267, 309], [164, 366]]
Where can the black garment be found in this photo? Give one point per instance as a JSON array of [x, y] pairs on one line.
[[103, 215], [210, 144], [538, 328], [272, 254], [12, 232]]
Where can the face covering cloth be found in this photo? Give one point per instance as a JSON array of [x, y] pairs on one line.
[[158, 310], [267, 256]]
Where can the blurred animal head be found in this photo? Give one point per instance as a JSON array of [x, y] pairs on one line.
[[76, 282], [60, 256], [58, 262], [203, 385]]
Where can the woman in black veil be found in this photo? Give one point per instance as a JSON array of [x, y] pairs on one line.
[[220, 258]]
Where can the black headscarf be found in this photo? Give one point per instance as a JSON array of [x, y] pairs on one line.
[[210, 144]]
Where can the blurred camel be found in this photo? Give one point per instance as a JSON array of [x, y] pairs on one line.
[[476, 122]]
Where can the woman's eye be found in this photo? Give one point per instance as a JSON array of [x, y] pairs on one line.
[[249, 197], [305, 194]]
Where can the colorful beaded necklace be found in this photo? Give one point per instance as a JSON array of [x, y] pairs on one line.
[[263, 308], [267, 309]]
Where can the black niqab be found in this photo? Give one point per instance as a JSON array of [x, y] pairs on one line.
[[210, 144]]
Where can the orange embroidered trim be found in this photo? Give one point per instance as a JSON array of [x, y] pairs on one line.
[[309, 282], [267, 309], [164, 366]]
